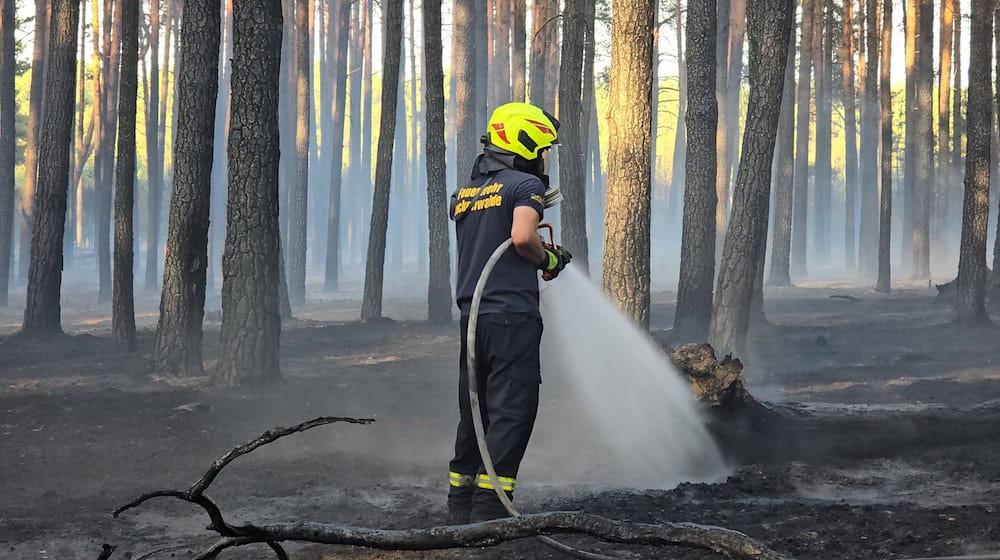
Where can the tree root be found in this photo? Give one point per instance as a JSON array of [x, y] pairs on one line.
[[732, 544]]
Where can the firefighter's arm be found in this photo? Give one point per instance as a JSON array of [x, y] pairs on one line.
[[524, 234]]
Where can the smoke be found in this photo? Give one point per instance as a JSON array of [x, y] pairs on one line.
[[614, 411]]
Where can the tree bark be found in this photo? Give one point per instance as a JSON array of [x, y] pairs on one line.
[[182, 303], [544, 33], [627, 206], [970, 308], [340, 14], [42, 309], [573, 211], [251, 321], [106, 144], [729, 114], [154, 163], [518, 59], [463, 66], [823, 57], [680, 139], [39, 58], [884, 282], [769, 22], [800, 196], [784, 174], [851, 140], [956, 117], [123, 300], [868, 238], [298, 200], [371, 303], [943, 171], [8, 141], [924, 148], [697, 264], [439, 281]]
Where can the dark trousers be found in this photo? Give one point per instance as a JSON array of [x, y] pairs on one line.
[[508, 373]]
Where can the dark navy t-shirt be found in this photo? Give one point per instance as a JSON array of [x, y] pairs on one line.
[[484, 213]]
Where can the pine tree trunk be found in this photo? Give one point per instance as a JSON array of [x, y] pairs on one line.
[[182, 303], [251, 320], [851, 140], [627, 206], [697, 263], [439, 282], [484, 65], [680, 138], [518, 56], [970, 307], [573, 209], [153, 150], [39, 59], [299, 193], [8, 141], [729, 108], [909, 166], [784, 179], [823, 57], [800, 196], [544, 30], [868, 236], [123, 300], [924, 150], [42, 309], [884, 282], [769, 22], [958, 127], [463, 66], [85, 139], [943, 172], [220, 161], [106, 146], [340, 14], [371, 304]]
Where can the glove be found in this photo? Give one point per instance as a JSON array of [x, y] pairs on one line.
[[556, 259]]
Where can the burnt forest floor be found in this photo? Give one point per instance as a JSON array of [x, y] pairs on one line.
[[83, 429]]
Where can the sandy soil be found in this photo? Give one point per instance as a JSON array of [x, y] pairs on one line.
[[83, 429]]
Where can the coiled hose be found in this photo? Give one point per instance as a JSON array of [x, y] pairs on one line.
[[477, 419]]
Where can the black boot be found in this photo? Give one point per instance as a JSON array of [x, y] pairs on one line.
[[486, 506], [460, 504]]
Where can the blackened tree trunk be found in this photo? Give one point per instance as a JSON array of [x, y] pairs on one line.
[[518, 56], [371, 304], [697, 265], [8, 140], [340, 14], [784, 171], [251, 320], [851, 140], [439, 282], [299, 190], [42, 309], [182, 303], [800, 196], [910, 21], [769, 22], [823, 57], [154, 162], [970, 308], [35, 105], [500, 72], [571, 135], [924, 149], [884, 282], [123, 300], [868, 237], [627, 206]]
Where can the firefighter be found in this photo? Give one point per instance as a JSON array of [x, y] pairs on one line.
[[505, 198]]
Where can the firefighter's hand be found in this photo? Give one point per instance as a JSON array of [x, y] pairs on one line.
[[556, 259]]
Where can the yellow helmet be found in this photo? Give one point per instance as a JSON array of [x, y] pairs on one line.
[[522, 129]]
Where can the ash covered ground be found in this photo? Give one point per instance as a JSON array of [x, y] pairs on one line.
[[83, 430]]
